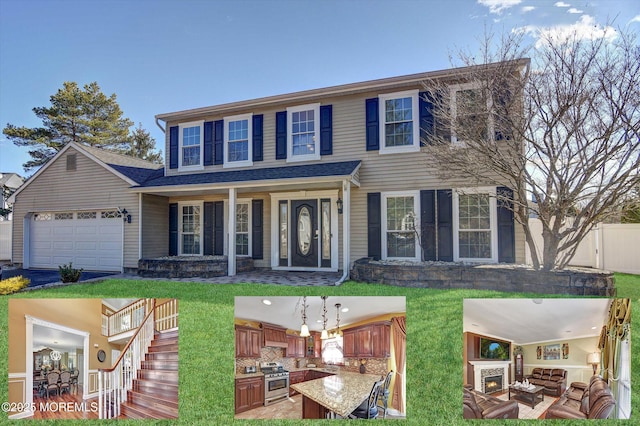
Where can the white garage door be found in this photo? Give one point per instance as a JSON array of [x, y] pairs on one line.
[[91, 240]]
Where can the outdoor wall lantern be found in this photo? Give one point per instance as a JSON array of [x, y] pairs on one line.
[[125, 215], [339, 203]]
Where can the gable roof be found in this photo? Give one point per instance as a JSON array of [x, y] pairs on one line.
[[132, 170], [313, 171]]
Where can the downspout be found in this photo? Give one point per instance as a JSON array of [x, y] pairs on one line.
[[346, 232]]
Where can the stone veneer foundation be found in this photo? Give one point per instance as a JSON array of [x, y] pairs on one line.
[[190, 266], [501, 277]]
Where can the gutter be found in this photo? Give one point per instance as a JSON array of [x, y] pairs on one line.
[[158, 124]]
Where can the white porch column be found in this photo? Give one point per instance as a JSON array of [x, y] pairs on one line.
[[231, 250], [346, 231]]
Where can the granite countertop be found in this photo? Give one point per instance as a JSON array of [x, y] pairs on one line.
[[324, 370], [341, 393], [249, 375]]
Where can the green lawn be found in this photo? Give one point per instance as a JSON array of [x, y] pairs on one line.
[[434, 336]]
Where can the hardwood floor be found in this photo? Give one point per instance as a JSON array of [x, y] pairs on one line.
[[66, 406]]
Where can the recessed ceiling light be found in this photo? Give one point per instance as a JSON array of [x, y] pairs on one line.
[[593, 328], [319, 321], [567, 331], [345, 309], [266, 302], [55, 341], [475, 325]]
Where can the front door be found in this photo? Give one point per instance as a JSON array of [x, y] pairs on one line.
[[304, 230]]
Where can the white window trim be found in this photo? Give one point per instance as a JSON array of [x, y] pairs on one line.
[[416, 209], [182, 126], [180, 218], [415, 112], [493, 219], [316, 134], [249, 161], [453, 90], [246, 201]]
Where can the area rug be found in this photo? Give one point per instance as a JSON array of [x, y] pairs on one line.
[[526, 412]]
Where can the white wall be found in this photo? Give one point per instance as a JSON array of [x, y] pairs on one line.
[[613, 247], [5, 240]]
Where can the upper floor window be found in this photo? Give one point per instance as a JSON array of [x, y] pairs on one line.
[[470, 112], [475, 225], [303, 133], [190, 147], [399, 129], [238, 143]]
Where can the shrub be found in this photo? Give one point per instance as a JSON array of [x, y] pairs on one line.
[[69, 274], [14, 284]]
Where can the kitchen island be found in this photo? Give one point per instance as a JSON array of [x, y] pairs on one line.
[[340, 394]]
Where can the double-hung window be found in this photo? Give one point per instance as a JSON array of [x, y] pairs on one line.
[[399, 127], [238, 142], [470, 106], [190, 229], [475, 225], [303, 133], [399, 219], [243, 224], [190, 141]]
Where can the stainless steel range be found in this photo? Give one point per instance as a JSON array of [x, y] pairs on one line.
[[276, 382]]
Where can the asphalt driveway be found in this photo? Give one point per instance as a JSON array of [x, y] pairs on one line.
[[40, 277]]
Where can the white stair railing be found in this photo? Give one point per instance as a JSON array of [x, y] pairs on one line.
[[128, 318], [114, 382], [167, 315]]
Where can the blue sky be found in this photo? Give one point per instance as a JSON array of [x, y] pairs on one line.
[[160, 56]]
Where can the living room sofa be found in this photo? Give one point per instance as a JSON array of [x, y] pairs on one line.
[[478, 405], [582, 401], [553, 380]]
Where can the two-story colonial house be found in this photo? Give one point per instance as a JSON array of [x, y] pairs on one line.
[[311, 180]]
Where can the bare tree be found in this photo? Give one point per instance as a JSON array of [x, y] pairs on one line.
[[561, 130]]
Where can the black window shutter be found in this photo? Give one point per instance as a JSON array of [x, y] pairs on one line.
[[218, 228], [173, 147], [257, 230], [208, 229], [445, 225], [326, 130], [373, 129], [257, 137], [281, 135], [208, 143], [506, 227], [374, 225], [218, 142], [428, 224], [502, 99], [173, 229], [426, 117]]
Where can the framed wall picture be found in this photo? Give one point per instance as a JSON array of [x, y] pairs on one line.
[[539, 352], [552, 352], [565, 351]]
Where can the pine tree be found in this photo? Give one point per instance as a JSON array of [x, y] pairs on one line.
[[142, 145], [82, 115]]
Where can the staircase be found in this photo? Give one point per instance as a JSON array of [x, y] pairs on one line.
[[154, 394]]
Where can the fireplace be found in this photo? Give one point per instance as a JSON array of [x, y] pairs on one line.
[[492, 384]]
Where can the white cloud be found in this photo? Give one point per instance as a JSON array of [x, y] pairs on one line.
[[574, 10], [561, 4], [585, 28], [497, 6], [635, 19], [526, 9]]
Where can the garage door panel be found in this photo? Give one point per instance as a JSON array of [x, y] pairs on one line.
[[91, 244]]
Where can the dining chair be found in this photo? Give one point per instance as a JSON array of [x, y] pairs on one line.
[[52, 383], [368, 409], [383, 396], [74, 379], [65, 381]]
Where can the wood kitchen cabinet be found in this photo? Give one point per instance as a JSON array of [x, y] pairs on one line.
[[367, 341], [274, 336], [314, 346], [296, 346], [295, 377], [249, 393], [248, 342]]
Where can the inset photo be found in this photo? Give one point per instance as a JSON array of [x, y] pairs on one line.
[[320, 357], [93, 359], [547, 359]]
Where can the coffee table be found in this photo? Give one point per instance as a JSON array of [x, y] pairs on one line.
[[527, 396]]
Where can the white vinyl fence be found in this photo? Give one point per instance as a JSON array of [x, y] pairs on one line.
[[614, 247], [5, 240]]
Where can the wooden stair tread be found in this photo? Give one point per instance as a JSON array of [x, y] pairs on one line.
[[136, 411]]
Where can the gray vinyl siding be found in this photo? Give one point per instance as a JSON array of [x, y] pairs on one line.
[[155, 226], [378, 172], [90, 186]]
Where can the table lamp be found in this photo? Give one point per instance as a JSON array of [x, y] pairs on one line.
[[594, 359]]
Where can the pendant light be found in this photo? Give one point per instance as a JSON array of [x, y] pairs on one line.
[[325, 334], [304, 329], [338, 306]]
